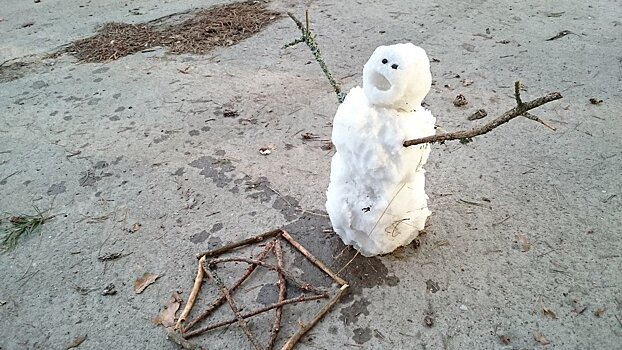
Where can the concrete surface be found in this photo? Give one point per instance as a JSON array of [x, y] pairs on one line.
[[155, 149]]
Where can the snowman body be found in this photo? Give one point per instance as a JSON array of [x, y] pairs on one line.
[[376, 198]]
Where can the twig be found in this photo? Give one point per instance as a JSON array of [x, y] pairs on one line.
[[214, 276], [298, 299], [193, 294], [256, 239], [519, 102], [313, 259], [305, 328], [520, 110], [235, 286], [276, 325], [536, 119], [308, 39], [302, 285]]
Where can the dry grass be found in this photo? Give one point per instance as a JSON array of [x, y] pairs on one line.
[[215, 27]]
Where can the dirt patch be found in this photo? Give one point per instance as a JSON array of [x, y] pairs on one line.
[[204, 30]]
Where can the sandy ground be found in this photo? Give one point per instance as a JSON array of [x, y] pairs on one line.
[[137, 141]]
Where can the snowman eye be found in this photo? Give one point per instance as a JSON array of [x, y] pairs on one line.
[[394, 66], [384, 61]]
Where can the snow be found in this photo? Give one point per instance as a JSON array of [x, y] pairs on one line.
[[376, 198]]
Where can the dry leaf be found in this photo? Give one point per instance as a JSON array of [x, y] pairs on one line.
[[309, 136], [540, 338], [466, 82], [428, 321], [599, 312], [479, 114], [110, 290], [166, 317], [135, 227], [504, 339], [548, 313], [143, 282], [76, 342], [545, 310], [523, 242], [460, 101]]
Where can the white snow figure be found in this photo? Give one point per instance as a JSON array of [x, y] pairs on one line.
[[376, 198]]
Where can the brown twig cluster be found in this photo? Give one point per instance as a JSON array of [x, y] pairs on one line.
[[219, 26], [183, 331]]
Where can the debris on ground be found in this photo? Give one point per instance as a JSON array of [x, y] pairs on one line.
[[230, 113], [523, 242], [76, 342], [166, 317], [595, 101], [110, 290], [561, 34], [18, 227], [460, 101], [540, 338], [599, 312], [206, 29], [184, 330], [144, 281], [135, 227], [309, 136], [479, 114], [428, 321], [112, 256]]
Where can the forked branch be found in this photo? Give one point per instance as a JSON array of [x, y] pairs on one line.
[[521, 109]]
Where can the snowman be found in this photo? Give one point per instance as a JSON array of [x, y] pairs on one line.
[[376, 198]]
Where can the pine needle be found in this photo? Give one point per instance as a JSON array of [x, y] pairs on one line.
[[20, 226]]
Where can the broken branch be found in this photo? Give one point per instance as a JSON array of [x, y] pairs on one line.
[[214, 276], [311, 258], [305, 328], [302, 285], [520, 110], [298, 299], [193, 294], [276, 325], [255, 239]]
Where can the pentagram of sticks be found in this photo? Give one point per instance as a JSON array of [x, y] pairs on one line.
[[184, 330]]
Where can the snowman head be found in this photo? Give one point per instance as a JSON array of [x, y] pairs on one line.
[[397, 76]]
